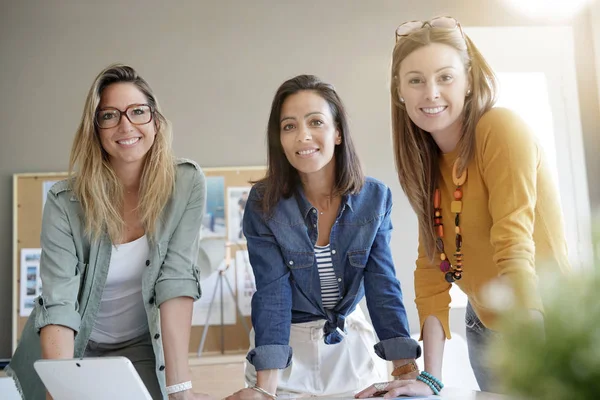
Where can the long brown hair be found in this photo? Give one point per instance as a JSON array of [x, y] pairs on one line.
[[282, 179], [416, 153], [95, 183]]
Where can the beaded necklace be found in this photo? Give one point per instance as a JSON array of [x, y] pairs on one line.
[[452, 272]]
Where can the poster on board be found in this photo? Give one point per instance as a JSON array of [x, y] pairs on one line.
[[211, 297], [46, 186], [31, 284], [237, 197], [213, 224], [246, 285]]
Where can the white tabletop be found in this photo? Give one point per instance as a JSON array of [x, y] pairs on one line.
[[446, 394], [450, 393]]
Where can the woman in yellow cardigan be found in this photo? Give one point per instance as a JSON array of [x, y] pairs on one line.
[[480, 185]]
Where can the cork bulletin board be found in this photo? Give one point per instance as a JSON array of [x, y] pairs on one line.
[[28, 198], [222, 222], [235, 337]]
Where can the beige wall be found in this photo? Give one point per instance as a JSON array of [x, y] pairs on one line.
[[215, 66], [587, 33], [595, 25], [589, 74]]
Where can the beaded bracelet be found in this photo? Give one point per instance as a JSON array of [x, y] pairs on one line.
[[435, 383], [427, 380], [431, 386], [433, 378]]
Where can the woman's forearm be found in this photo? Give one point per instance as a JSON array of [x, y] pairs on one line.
[[434, 340], [57, 341], [176, 323], [267, 380]]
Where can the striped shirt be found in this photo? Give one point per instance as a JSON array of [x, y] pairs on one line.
[[330, 291]]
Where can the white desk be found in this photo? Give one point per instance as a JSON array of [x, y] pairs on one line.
[[447, 394], [463, 394]]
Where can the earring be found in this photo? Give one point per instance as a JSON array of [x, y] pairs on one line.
[[401, 99], [338, 141], [468, 92]]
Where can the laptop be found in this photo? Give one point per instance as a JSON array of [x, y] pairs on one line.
[[98, 378]]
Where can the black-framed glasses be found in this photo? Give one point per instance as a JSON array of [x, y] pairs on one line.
[[137, 114], [439, 22]]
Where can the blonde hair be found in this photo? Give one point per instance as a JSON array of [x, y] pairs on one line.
[[416, 153], [95, 183]]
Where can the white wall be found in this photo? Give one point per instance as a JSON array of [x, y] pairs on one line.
[[595, 23]]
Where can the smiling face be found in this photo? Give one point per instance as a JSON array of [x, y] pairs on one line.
[[308, 132], [126, 144], [433, 85]]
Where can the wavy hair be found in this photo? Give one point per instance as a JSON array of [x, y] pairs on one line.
[[93, 179], [416, 153]]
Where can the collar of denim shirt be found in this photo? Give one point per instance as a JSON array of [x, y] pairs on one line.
[[305, 205]]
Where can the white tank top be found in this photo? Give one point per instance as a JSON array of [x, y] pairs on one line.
[[122, 315]]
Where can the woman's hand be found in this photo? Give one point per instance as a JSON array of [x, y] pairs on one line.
[[396, 388], [248, 394]]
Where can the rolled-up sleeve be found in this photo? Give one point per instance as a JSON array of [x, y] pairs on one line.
[[178, 276], [384, 296], [272, 301], [58, 270]]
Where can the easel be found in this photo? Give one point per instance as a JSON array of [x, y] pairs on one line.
[[219, 283]]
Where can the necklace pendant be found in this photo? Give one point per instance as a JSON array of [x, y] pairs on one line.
[[456, 207], [451, 272], [457, 275], [445, 266], [439, 244]]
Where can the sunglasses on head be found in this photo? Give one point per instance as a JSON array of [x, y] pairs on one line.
[[439, 22]]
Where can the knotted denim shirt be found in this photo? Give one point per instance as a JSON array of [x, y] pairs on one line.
[[281, 250], [74, 270]]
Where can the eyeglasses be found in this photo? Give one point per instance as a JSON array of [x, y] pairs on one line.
[[439, 22], [137, 114]]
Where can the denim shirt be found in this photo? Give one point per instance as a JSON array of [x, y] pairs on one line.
[[74, 271], [281, 250]]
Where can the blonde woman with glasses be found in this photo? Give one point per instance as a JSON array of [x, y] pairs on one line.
[[119, 243], [479, 183]]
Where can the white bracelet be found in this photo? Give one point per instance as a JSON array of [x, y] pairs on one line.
[[263, 391], [180, 387]]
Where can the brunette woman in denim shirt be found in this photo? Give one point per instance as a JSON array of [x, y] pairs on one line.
[[318, 237], [119, 239]]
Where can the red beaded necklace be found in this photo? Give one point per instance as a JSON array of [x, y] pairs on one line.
[[452, 272]]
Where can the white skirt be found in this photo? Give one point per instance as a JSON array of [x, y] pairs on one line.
[[319, 369]]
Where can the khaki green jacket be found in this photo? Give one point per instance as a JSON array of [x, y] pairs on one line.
[[74, 270]]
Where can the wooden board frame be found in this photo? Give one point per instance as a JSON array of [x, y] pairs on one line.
[[27, 225]]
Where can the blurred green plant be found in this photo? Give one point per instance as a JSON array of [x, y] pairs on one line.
[[596, 239], [564, 365]]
